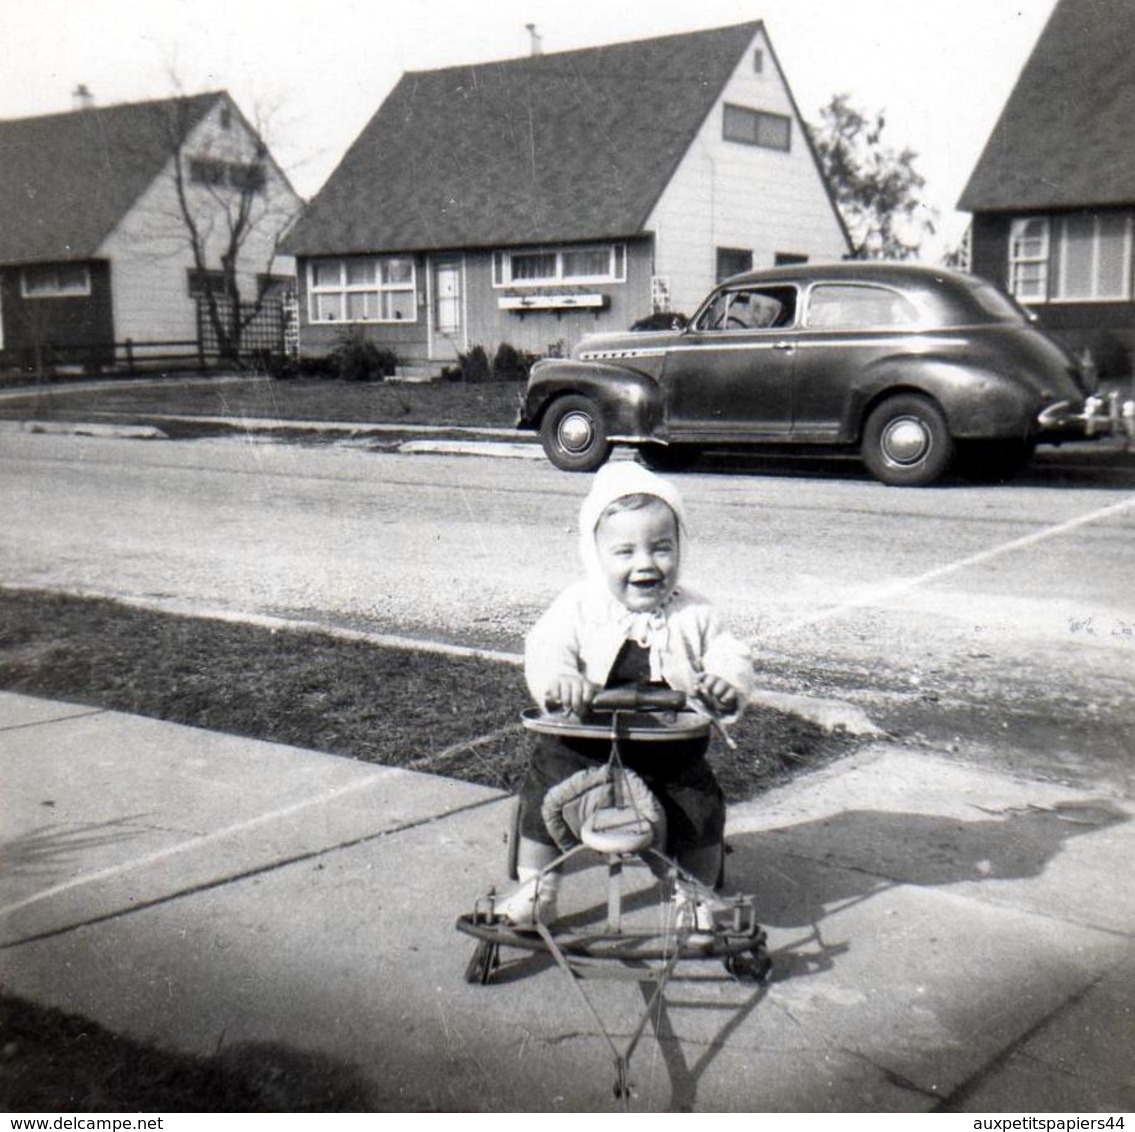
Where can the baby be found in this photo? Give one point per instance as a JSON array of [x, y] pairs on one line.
[[628, 621]]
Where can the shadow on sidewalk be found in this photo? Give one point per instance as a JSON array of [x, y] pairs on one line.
[[804, 872], [51, 850]]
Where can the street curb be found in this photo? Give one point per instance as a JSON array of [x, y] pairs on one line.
[[516, 450], [84, 428]]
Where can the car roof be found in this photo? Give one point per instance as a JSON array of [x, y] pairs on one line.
[[856, 271]]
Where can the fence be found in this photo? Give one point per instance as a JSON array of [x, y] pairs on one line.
[[267, 333]]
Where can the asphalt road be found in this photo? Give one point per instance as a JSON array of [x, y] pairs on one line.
[[994, 621]]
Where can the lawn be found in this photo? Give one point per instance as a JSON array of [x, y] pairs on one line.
[[456, 403], [455, 716]]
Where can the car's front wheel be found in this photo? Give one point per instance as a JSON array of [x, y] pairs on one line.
[[573, 434], [907, 442]]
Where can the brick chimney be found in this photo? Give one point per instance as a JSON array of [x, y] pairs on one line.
[[536, 38], [81, 98]]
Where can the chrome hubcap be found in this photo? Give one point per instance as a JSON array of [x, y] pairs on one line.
[[576, 432], [905, 441]]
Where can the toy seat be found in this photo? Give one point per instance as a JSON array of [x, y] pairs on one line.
[[612, 829]]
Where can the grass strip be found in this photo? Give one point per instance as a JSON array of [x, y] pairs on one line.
[[396, 707]]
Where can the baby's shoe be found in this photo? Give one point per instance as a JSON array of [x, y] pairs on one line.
[[534, 899], [693, 917]]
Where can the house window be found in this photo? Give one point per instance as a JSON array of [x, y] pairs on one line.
[[1028, 259], [732, 261], [202, 283], [757, 127], [234, 174], [758, 61], [787, 259], [55, 281], [362, 289], [538, 267], [1081, 257], [1094, 257]]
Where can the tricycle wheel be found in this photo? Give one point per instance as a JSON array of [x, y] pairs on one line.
[[750, 966], [485, 961]]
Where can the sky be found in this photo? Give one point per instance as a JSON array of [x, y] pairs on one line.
[[314, 73]]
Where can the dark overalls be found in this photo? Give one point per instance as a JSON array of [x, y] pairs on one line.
[[676, 772]]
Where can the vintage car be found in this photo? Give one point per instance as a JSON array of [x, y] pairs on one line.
[[907, 365]]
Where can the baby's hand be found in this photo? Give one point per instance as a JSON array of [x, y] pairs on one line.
[[572, 694], [718, 694]]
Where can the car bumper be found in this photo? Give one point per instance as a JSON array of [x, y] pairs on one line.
[[1097, 416]]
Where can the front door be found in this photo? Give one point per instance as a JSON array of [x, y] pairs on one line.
[[447, 338]]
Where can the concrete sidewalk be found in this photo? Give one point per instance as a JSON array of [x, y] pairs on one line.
[[944, 937]]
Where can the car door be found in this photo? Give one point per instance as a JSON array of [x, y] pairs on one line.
[[848, 330], [729, 375]]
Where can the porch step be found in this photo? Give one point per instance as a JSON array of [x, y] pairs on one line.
[[413, 371]]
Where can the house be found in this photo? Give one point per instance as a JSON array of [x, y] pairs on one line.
[[1053, 194], [116, 223], [534, 200]]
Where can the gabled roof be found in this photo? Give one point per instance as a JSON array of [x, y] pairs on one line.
[[1065, 136], [66, 180], [575, 145]]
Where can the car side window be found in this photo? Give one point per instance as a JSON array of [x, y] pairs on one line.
[[842, 306], [750, 308]]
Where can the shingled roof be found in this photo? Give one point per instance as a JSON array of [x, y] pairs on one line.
[[574, 145], [1065, 137], [66, 180]]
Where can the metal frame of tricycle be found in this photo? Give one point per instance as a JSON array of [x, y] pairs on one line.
[[613, 950]]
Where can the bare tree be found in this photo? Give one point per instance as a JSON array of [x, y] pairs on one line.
[[228, 212], [877, 189]]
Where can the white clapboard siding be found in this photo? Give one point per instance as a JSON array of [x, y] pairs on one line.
[[731, 195], [150, 254]]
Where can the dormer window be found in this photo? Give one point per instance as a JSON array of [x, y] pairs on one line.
[[757, 127], [237, 175]]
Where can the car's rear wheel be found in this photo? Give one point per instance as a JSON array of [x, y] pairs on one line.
[[573, 434], [907, 442], [668, 457]]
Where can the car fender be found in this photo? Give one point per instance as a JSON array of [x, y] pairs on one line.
[[631, 402], [978, 403]]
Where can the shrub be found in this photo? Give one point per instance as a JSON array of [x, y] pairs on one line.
[[359, 359], [325, 365], [475, 368], [511, 364], [273, 363]]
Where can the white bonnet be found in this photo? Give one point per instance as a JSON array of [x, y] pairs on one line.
[[614, 481]]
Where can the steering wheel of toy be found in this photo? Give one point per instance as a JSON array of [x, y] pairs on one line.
[[631, 698]]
